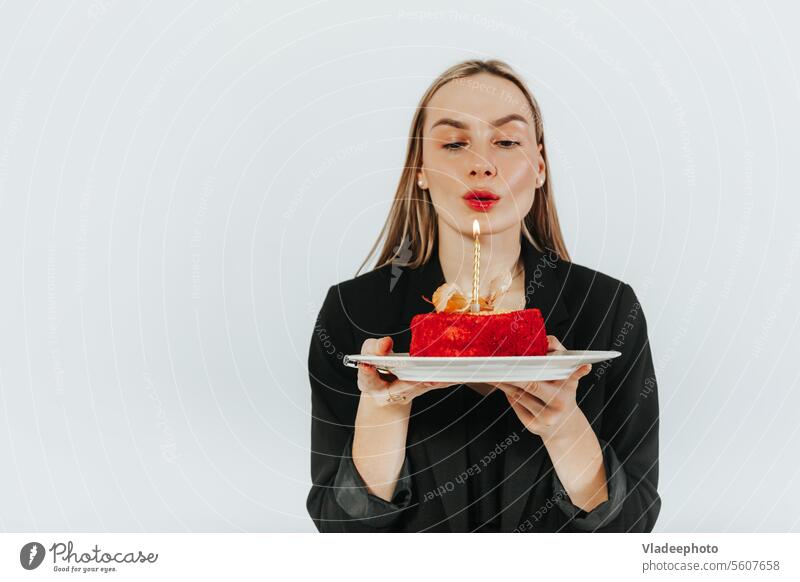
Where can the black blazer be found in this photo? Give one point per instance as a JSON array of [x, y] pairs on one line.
[[583, 308]]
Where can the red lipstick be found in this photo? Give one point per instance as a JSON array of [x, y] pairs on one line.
[[481, 200]]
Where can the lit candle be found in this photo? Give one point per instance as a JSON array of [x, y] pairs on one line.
[[475, 305]]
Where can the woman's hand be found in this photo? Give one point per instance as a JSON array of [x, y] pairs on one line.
[[548, 408], [388, 392]]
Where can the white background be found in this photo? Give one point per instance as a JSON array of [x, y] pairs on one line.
[[181, 182]]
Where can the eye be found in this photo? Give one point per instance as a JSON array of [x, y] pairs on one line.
[[510, 143], [456, 145]]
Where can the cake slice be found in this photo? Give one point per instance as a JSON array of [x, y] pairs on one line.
[[454, 331], [510, 333]]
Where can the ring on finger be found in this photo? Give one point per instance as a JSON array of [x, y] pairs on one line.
[[395, 397]]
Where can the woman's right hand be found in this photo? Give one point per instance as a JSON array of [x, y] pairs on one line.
[[380, 390]]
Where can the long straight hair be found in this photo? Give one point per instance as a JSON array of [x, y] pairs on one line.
[[410, 232]]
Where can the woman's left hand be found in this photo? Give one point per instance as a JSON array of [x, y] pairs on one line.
[[550, 407]]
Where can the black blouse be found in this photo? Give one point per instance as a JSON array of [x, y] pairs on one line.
[[470, 464]]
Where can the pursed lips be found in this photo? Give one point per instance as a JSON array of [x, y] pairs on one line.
[[482, 195]]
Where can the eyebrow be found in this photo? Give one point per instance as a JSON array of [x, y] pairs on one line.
[[497, 122]]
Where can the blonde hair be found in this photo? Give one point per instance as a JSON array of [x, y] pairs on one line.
[[410, 230]]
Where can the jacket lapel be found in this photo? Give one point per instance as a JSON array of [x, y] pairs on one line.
[[443, 433], [524, 460]]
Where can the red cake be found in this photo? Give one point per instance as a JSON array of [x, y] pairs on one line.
[[511, 333]]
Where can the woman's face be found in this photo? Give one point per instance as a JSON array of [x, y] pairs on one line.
[[479, 136]]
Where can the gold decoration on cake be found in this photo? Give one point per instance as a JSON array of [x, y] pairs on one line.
[[499, 287], [449, 298]]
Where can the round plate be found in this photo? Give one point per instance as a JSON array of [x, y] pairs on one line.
[[555, 366]]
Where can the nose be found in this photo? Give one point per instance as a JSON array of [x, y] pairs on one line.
[[482, 165]]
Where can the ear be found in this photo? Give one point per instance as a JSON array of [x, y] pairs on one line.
[[422, 182], [541, 161]]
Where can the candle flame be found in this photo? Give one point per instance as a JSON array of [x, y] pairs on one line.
[[476, 227]]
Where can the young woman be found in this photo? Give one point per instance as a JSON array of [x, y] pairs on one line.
[[572, 455]]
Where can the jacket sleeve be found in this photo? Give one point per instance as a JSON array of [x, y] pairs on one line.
[[605, 512], [339, 500], [353, 496], [629, 430]]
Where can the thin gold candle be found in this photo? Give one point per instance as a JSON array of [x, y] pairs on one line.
[[475, 305]]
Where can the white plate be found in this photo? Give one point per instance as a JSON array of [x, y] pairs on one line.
[[556, 366]]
